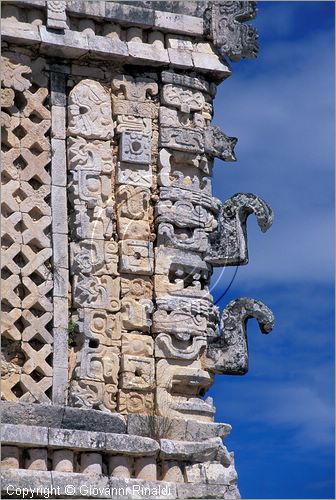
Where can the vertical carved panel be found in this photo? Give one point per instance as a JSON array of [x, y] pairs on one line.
[[136, 134], [93, 251]]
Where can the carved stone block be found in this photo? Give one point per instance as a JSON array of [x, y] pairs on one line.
[[134, 124], [137, 345], [92, 394], [178, 385], [129, 229], [135, 402], [22, 165], [136, 257], [228, 245], [136, 288], [97, 363], [36, 104], [179, 323], [134, 108], [14, 66], [90, 155], [97, 292], [96, 257], [35, 135], [137, 373], [7, 98], [181, 265], [135, 147], [228, 352], [169, 347], [174, 118], [135, 314], [185, 80], [100, 325], [134, 174], [193, 240], [132, 202], [178, 171], [92, 223], [91, 189], [184, 214], [89, 111], [181, 98], [182, 139], [8, 327], [134, 89], [219, 145], [233, 38], [56, 12]]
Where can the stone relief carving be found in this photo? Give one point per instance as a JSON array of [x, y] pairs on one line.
[[186, 100], [94, 257], [228, 246], [56, 12], [13, 69], [188, 81], [234, 39], [135, 147], [89, 111], [174, 118], [134, 89], [219, 145], [98, 292], [184, 176], [182, 139], [228, 353], [94, 155]]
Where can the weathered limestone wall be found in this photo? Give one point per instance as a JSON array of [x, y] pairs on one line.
[[110, 234]]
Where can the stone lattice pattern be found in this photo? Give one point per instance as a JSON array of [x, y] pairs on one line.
[[110, 234], [26, 270]]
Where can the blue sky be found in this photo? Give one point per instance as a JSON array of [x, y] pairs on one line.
[[281, 108]]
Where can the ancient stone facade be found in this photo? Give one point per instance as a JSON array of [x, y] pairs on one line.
[[110, 232]]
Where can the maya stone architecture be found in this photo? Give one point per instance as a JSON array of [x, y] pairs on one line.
[[110, 233]]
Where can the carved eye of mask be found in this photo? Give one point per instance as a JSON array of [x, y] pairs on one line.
[[98, 324], [136, 146], [93, 185]]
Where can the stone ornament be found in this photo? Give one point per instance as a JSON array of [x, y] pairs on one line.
[[89, 111], [135, 147], [228, 246], [97, 292], [219, 145], [186, 100], [13, 69], [134, 89], [94, 256], [228, 353], [168, 347], [56, 12], [95, 156], [182, 139], [230, 36], [98, 324]]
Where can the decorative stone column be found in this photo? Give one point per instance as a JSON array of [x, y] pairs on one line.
[[110, 234]]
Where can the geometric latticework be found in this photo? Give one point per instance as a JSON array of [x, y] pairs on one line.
[[26, 272]]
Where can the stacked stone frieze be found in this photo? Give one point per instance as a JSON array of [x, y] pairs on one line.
[[110, 233]]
